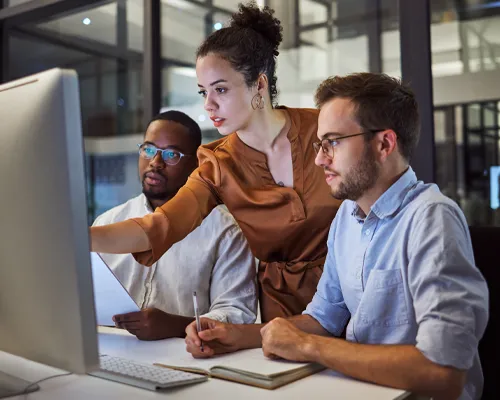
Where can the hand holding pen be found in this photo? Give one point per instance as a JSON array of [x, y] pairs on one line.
[[197, 316]]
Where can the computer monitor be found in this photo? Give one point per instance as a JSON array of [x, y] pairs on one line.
[[46, 294]]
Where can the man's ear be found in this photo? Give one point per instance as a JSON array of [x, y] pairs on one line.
[[388, 142]]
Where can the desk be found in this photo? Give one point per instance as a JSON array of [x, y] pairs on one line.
[[324, 385]]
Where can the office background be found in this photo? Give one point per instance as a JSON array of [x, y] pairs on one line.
[[136, 57]]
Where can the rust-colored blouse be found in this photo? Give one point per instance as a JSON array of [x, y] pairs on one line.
[[286, 228]]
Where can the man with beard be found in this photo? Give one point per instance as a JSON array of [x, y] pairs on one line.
[[400, 268], [214, 260]]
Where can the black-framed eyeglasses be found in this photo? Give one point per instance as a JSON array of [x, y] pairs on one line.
[[170, 156], [327, 145]]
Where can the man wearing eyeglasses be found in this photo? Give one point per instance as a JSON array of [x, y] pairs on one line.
[[214, 260], [400, 269]]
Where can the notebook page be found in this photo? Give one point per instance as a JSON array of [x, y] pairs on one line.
[[252, 361]]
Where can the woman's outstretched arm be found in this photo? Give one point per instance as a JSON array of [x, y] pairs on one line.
[[119, 238]]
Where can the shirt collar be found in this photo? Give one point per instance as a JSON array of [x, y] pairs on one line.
[[146, 204], [392, 199]]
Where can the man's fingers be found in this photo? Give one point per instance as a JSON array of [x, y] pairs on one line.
[[121, 320], [131, 326], [192, 342], [192, 334], [207, 323], [197, 353], [119, 325], [191, 329], [268, 354], [130, 317], [134, 332], [264, 330], [210, 330], [218, 332], [212, 324]]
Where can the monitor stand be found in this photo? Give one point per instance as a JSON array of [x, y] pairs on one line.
[[12, 386]]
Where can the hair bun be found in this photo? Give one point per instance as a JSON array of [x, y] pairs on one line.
[[250, 16]]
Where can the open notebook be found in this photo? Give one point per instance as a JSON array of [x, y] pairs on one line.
[[249, 367]]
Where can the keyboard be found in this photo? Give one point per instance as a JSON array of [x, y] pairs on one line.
[[144, 376]]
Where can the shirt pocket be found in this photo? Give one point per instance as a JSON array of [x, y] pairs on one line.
[[383, 302]]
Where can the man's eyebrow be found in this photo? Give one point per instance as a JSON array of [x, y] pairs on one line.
[[329, 135], [214, 82]]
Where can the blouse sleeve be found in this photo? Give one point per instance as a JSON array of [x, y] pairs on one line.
[[178, 217]]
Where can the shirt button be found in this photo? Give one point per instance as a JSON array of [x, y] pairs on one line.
[[367, 232]]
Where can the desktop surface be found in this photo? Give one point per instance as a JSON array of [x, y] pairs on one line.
[[324, 385]]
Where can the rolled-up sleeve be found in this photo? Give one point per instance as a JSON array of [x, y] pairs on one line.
[[233, 288], [449, 293], [328, 306], [174, 220]]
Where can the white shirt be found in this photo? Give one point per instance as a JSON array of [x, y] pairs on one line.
[[214, 260]]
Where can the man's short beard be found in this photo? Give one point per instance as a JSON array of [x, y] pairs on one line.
[[154, 195], [359, 178]]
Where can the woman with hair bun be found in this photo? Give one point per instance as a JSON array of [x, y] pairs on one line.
[[263, 170]]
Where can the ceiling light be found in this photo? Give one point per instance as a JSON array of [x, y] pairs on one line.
[[86, 21], [217, 26]]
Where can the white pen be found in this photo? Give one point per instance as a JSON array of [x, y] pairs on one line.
[[197, 316]]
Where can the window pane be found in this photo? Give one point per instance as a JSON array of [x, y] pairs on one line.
[[464, 38], [474, 116], [95, 44], [104, 45]]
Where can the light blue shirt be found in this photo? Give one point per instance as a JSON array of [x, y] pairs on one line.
[[405, 274]]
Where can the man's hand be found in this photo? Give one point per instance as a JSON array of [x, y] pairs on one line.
[[152, 324], [217, 337], [281, 339]]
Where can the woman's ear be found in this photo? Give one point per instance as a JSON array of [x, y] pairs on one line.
[[262, 83]]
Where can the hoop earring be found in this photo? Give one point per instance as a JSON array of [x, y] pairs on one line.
[[257, 102]]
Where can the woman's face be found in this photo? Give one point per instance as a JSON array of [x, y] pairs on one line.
[[227, 96]]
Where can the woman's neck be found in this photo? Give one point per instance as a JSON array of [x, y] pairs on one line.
[[263, 130]]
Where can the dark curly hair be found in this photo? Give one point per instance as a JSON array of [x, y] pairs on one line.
[[250, 44]]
